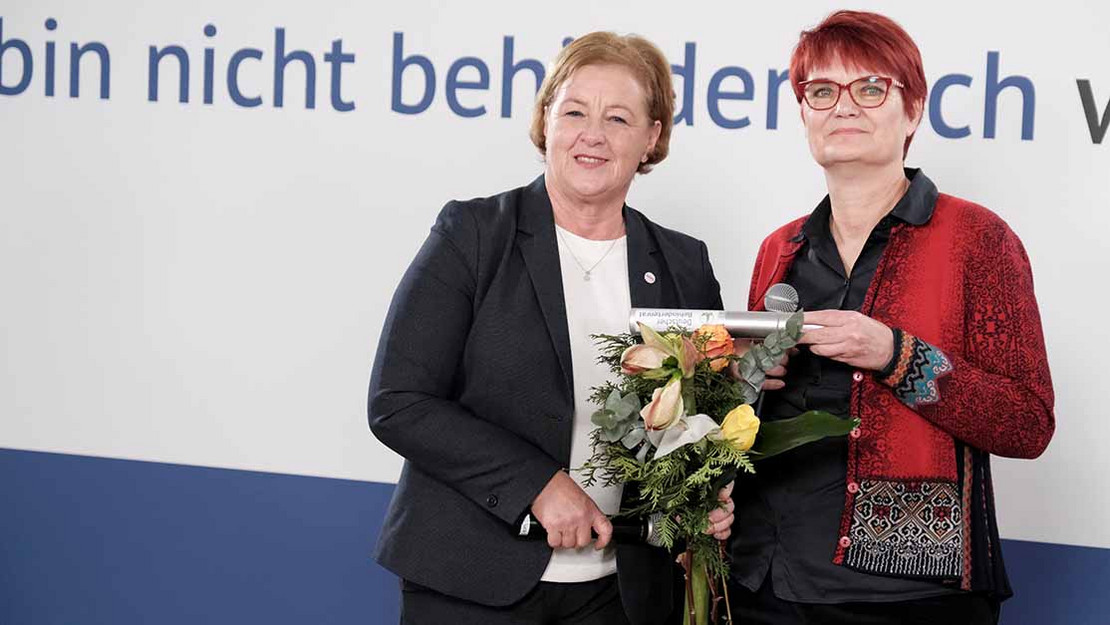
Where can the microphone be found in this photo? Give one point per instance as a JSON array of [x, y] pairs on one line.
[[781, 301], [627, 530], [746, 324], [781, 297]]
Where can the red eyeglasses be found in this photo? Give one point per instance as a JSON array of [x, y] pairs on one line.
[[868, 92]]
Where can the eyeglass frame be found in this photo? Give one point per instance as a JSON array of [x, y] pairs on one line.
[[841, 88]]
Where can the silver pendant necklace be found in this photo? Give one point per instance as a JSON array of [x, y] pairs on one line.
[[585, 271]]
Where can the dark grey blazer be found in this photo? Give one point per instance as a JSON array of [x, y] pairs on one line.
[[472, 386]]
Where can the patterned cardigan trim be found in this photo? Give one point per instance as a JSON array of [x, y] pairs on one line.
[[917, 368], [909, 529]]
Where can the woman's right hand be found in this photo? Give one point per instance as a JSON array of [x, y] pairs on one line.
[[568, 514]]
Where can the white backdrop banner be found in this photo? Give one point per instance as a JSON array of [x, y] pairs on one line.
[[206, 207]]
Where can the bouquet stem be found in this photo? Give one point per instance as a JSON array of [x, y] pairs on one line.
[[724, 589], [697, 591], [701, 608]]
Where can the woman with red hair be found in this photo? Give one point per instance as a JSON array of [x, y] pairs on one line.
[[930, 336]]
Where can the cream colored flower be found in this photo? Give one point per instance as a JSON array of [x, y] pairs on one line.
[[665, 408], [640, 358]]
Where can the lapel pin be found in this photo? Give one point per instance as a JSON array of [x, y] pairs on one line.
[[649, 277]]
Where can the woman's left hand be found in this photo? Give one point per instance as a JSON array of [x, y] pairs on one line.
[[720, 519], [849, 337]]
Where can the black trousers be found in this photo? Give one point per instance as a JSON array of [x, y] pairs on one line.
[[763, 607], [596, 602]]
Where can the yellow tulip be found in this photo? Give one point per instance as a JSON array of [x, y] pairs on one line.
[[740, 427]]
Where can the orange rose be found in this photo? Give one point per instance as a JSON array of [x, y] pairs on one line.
[[718, 344]]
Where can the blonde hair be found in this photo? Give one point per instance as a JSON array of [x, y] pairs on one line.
[[639, 56]]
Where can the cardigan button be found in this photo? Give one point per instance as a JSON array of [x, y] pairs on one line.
[[492, 501], [857, 376], [844, 542], [855, 433], [853, 487]]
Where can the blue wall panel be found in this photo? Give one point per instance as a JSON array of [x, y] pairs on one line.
[[91, 541]]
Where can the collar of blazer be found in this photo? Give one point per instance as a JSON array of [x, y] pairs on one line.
[[540, 250]]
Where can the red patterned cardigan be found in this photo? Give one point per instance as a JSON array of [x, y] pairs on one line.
[[971, 367]]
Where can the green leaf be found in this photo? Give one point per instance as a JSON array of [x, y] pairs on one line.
[[630, 404], [751, 393], [662, 373], [614, 434], [748, 366], [772, 340], [776, 437], [613, 401], [602, 418], [689, 403], [656, 340], [764, 357], [757, 351], [634, 437], [794, 325]]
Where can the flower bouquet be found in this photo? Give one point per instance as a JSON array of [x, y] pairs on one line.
[[677, 425]]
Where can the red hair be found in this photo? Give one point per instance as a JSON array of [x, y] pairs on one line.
[[863, 40]]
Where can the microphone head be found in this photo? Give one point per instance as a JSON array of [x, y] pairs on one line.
[[651, 534], [781, 297]]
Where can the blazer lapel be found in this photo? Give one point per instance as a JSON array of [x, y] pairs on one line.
[[541, 256], [646, 271]]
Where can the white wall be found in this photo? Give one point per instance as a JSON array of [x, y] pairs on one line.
[[205, 284]]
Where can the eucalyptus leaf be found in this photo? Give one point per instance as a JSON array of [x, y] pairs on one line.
[[613, 401], [602, 418], [756, 379], [794, 324], [634, 437], [776, 437], [751, 393], [764, 357], [748, 366], [612, 435], [618, 417], [630, 404], [772, 340], [759, 352], [617, 432]]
